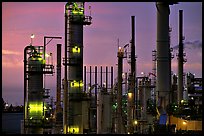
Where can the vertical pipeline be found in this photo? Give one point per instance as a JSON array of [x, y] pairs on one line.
[[58, 105], [65, 99], [180, 58]]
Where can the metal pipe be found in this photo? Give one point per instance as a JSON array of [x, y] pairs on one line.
[[99, 112], [133, 47], [95, 85], [84, 78], [90, 79], [180, 58], [133, 60], [45, 37], [101, 76], [111, 77], [58, 92], [119, 94], [132, 80], [106, 79], [65, 94]]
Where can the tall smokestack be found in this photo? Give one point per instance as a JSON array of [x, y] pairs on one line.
[[163, 57], [133, 48], [180, 58], [133, 63], [119, 129]]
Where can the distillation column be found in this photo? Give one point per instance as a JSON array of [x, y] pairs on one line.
[[34, 94], [74, 117], [162, 57], [35, 88]]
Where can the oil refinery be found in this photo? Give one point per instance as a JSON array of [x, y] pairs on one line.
[[89, 100]]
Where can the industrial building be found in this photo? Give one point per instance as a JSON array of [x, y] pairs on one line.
[[93, 102]]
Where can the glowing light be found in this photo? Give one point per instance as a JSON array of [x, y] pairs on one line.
[[104, 84], [47, 55], [129, 95], [184, 122], [76, 49], [192, 98], [40, 59], [76, 9], [43, 61], [123, 75], [77, 83], [73, 129], [65, 130], [135, 122], [32, 36], [77, 12], [36, 107], [120, 49]]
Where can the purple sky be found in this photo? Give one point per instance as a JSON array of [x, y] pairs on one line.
[[111, 21]]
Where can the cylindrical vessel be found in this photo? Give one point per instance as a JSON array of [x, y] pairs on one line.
[[99, 113], [75, 67], [104, 107], [74, 120], [35, 92], [163, 59]]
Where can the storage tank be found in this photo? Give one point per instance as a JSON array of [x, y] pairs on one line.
[[104, 112]]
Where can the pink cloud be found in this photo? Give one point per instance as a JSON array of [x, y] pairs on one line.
[[12, 62], [10, 52]]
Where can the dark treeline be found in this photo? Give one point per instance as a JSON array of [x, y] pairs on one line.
[[10, 108]]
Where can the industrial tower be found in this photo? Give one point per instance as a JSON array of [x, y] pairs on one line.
[[75, 115], [35, 117]]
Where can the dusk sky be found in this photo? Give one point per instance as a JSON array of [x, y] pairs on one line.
[[111, 21]]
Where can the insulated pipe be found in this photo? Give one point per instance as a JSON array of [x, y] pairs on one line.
[[90, 80], [99, 111], [95, 85], [163, 59], [180, 58], [111, 77], [84, 78], [58, 92], [101, 76], [106, 79]]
